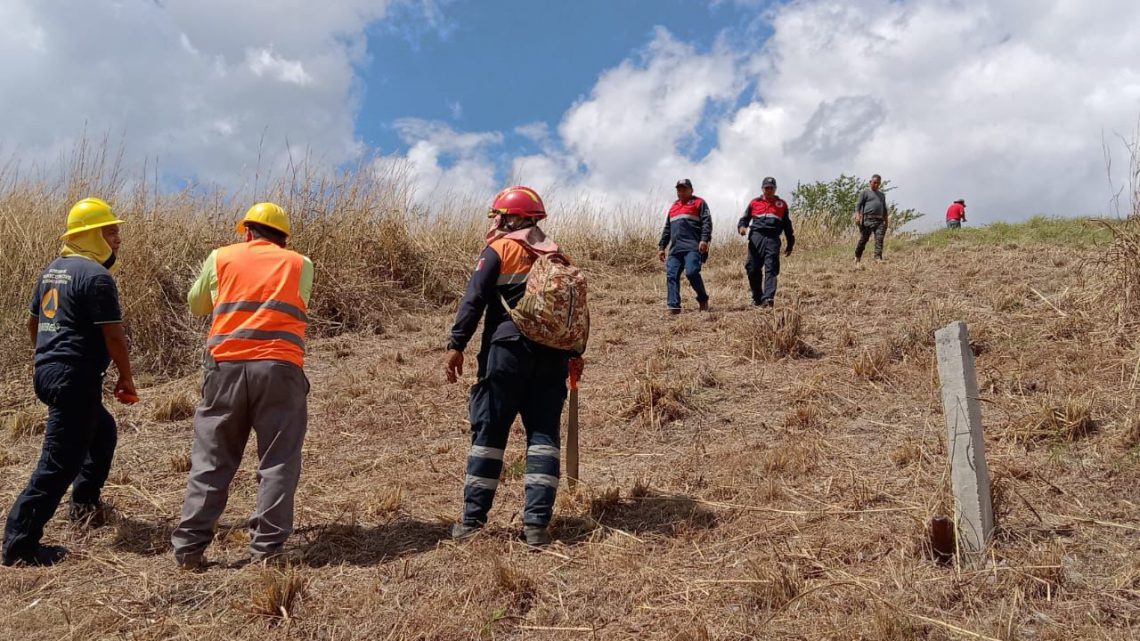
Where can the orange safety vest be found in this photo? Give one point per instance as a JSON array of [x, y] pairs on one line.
[[515, 261], [258, 313]]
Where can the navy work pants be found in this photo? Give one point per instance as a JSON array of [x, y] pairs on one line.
[[763, 266], [516, 378], [690, 262], [79, 443]]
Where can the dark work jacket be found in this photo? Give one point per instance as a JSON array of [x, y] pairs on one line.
[[502, 270], [686, 225], [769, 219]]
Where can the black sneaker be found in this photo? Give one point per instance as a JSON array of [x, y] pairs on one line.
[[40, 556], [89, 515], [461, 531], [704, 306], [537, 535]]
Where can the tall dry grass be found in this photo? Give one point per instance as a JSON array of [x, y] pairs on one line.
[[353, 224], [376, 251]]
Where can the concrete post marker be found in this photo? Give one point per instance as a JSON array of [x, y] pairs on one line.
[[973, 511]]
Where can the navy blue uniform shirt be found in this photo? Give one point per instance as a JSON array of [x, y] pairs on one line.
[[73, 297]]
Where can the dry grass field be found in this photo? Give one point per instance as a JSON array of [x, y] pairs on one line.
[[747, 474]]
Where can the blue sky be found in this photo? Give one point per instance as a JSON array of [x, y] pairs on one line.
[[492, 66]]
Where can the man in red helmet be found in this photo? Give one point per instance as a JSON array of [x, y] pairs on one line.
[[516, 377]]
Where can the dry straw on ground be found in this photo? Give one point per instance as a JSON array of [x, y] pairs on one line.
[[746, 474]]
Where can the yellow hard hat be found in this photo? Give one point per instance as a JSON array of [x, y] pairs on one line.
[[268, 214], [89, 213]]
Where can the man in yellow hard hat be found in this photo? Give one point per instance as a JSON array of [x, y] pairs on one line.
[[76, 326], [257, 292]]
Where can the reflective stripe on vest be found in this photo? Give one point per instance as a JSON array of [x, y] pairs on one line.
[[515, 262], [259, 313], [760, 208], [253, 306]]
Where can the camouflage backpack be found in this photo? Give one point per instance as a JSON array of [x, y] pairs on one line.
[[553, 309]]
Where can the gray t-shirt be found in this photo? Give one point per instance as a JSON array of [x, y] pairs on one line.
[[872, 204]]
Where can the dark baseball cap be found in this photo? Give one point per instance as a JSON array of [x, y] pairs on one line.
[[768, 182], [684, 182]]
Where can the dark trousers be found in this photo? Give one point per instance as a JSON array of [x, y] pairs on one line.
[[516, 378], [691, 263], [876, 227], [763, 266], [79, 443], [953, 224]]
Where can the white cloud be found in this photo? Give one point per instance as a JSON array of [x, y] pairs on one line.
[[440, 160], [263, 61], [1001, 102], [199, 84], [537, 132]]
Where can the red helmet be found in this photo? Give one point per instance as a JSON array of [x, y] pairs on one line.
[[519, 201]]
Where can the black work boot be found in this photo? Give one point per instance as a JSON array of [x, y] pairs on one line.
[[40, 555], [462, 531], [704, 306], [191, 562], [89, 515], [537, 535]]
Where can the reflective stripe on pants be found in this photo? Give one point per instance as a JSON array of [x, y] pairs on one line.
[[516, 378]]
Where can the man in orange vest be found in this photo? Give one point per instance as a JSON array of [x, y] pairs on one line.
[[258, 295]]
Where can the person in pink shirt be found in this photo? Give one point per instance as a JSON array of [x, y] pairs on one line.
[[956, 214]]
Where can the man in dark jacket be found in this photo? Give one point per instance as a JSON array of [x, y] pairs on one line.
[[688, 227], [764, 219], [871, 217], [517, 377]]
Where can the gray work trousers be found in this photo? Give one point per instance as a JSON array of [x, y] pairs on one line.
[[271, 398]]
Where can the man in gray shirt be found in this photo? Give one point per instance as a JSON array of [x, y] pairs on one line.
[[871, 218]]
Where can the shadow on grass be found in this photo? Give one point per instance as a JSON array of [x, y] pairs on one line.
[[648, 512], [142, 537], [353, 544]]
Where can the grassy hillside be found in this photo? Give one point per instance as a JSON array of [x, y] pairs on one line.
[[747, 474]]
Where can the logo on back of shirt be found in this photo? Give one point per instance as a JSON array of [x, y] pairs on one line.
[[49, 304]]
